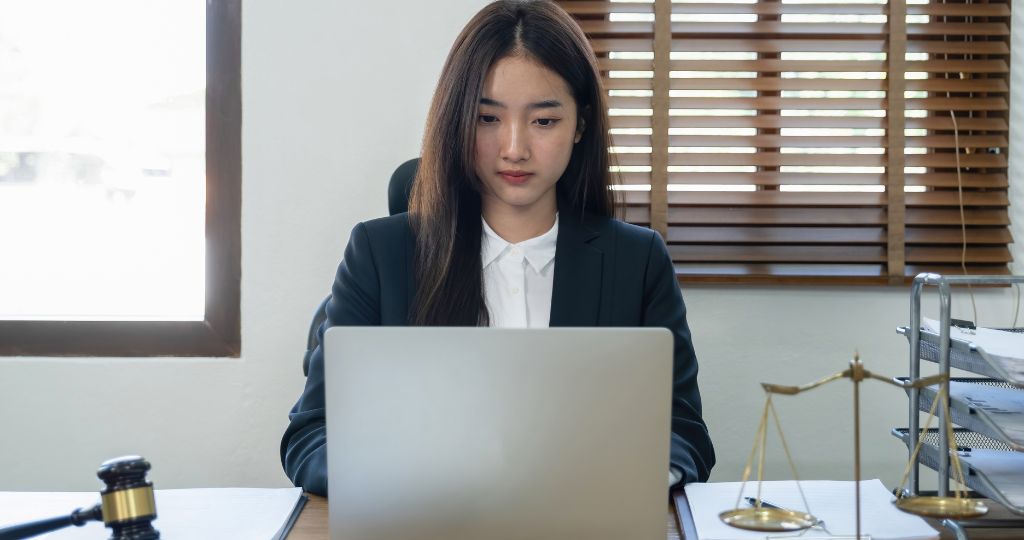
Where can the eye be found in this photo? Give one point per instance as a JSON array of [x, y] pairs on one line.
[[487, 118], [547, 122]]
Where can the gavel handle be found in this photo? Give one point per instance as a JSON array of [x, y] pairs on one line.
[[27, 530]]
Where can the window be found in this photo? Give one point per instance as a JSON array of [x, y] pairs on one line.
[[120, 167], [811, 141]]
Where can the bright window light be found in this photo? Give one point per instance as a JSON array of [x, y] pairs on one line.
[[831, 188], [630, 112], [713, 131], [630, 55], [712, 187], [631, 17], [699, 55], [630, 93], [627, 74], [102, 160], [712, 74], [629, 149], [631, 131], [714, 17], [711, 150], [712, 112], [711, 168], [830, 169], [838, 151], [637, 187]]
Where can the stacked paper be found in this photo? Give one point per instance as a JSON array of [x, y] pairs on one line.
[[829, 501]]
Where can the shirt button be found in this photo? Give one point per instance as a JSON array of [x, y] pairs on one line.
[[515, 290], [515, 251]]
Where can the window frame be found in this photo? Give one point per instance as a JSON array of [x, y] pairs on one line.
[[219, 333]]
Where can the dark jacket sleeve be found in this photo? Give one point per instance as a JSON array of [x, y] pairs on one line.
[[355, 301], [692, 451]]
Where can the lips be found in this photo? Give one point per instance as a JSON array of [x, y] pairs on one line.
[[515, 177]]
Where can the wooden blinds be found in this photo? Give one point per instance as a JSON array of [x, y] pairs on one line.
[[811, 140]]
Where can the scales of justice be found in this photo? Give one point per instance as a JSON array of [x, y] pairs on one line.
[[771, 519]]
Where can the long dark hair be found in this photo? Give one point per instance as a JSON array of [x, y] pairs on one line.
[[445, 203]]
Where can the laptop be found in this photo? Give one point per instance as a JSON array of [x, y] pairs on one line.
[[487, 433]]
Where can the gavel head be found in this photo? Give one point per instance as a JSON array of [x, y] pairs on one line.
[[129, 506]]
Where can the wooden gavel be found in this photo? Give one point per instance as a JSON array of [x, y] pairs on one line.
[[127, 505]]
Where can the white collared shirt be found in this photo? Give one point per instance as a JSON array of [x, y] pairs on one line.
[[518, 278]]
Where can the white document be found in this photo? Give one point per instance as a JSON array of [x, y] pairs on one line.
[[195, 514], [829, 501], [1003, 469], [1005, 348], [1003, 406]]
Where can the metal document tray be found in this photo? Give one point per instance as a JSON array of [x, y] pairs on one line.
[[988, 406], [969, 357], [990, 467]]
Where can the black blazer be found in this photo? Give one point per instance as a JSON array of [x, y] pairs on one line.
[[607, 273]]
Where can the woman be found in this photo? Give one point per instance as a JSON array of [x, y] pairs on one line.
[[509, 223]]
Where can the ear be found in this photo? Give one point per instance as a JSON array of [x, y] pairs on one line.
[[581, 125]]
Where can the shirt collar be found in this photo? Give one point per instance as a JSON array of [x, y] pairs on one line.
[[538, 251]]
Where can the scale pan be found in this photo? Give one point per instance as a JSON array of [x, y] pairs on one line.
[[942, 507], [767, 519]]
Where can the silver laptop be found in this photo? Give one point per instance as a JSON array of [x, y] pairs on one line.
[[484, 433]]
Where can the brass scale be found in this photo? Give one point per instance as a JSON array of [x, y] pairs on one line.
[[771, 519]]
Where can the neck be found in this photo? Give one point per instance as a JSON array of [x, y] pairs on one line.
[[515, 225]]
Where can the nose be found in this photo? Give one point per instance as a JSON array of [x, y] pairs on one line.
[[515, 144]]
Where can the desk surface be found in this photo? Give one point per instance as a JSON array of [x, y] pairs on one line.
[[312, 525]]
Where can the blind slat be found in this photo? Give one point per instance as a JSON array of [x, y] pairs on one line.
[[821, 199], [769, 121], [772, 65], [781, 273], [777, 253], [777, 235], [775, 84], [959, 66], [781, 141], [836, 104], [969, 180], [985, 255], [773, 8], [772, 103], [775, 216], [829, 216], [987, 235], [770, 45], [771, 178], [960, 10], [681, 29], [831, 254]]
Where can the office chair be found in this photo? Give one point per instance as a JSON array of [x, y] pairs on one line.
[[399, 188]]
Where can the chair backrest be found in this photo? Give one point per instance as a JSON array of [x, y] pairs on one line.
[[399, 188]]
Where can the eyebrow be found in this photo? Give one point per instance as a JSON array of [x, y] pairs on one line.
[[546, 104]]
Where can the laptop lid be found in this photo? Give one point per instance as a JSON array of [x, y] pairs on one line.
[[472, 433]]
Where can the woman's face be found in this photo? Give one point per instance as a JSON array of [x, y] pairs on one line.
[[526, 129]]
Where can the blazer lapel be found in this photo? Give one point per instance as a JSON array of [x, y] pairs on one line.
[[410, 274], [576, 296]]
